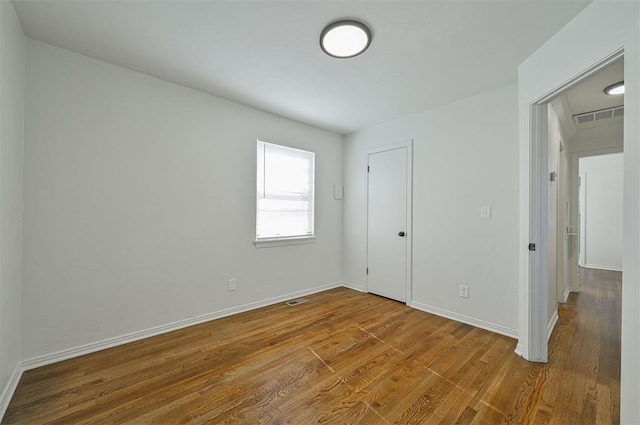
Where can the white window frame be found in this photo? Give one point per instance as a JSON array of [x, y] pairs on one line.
[[265, 242]]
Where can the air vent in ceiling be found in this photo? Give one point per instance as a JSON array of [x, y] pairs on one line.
[[599, 115], [603, 115], [584, 118]]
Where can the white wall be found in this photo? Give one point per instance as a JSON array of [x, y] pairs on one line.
[[597, 139], [465, 156], [602, 213], [140, 204], [600, 30], [12, 85]]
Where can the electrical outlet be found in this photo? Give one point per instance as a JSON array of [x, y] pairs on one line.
[[464, 291], [232, 284]]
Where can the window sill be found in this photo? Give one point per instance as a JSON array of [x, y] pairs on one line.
[[271, 242]]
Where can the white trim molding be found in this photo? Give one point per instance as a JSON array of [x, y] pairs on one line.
[[499, 329], [601, 267], [354, 286], [292, 240], [10, 389], [565, 297], [93, 347], [552, 324]]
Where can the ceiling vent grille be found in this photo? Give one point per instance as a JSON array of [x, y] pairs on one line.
[[602, 114], [584, 118]]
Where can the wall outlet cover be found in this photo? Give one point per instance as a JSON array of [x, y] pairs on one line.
[[485, 212], [232, 284], [464, 291]]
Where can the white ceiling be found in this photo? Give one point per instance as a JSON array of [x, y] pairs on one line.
[[588, 96], [266, 53]]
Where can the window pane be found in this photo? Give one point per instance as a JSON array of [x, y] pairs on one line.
[[283, 218], [284, 197], [286, 174]]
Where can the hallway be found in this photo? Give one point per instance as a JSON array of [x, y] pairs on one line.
[[584, 358]]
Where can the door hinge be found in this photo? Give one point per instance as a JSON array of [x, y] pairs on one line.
[[532, 247], [367, 270], [367, 168]]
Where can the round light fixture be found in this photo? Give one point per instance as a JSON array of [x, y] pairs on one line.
[[614, 89], [345, 38]]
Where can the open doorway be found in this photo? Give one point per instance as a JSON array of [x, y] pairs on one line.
[[600, 212], [583, 133], [539, 301], [583, 123], [594, 214], [595, 39]]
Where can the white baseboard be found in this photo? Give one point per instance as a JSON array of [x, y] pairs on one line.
[[354, 286], [565, 297], [9, 389], [92, 347], [519, 350], [499, 329], [600, 267], [552, 324]]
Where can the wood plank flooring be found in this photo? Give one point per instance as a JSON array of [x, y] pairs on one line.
[[342, 358]]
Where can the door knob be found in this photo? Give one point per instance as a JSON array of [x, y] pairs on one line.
[[401, 234]]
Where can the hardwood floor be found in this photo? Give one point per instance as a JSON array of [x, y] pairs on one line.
[[342, 358]]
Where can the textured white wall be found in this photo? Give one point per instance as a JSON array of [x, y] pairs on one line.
[[465, 156], [140, 204], [12, 86], [603, 210]]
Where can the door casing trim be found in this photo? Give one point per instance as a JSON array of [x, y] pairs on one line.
[[533, 341]]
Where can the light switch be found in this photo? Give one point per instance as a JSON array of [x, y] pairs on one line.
[[485, 213], [338, 191]]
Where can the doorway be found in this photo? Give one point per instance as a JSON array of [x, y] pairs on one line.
[[543, 295], [389, 230], [601, 178]]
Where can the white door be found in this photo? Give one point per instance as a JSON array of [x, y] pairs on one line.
[[388, 223]]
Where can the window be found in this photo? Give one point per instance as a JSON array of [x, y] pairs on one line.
[[284, 196]]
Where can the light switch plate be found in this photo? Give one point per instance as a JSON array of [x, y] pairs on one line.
[[485, 212], [338, 191]]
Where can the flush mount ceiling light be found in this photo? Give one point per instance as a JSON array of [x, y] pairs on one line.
[[614, 89], [345, 38]]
